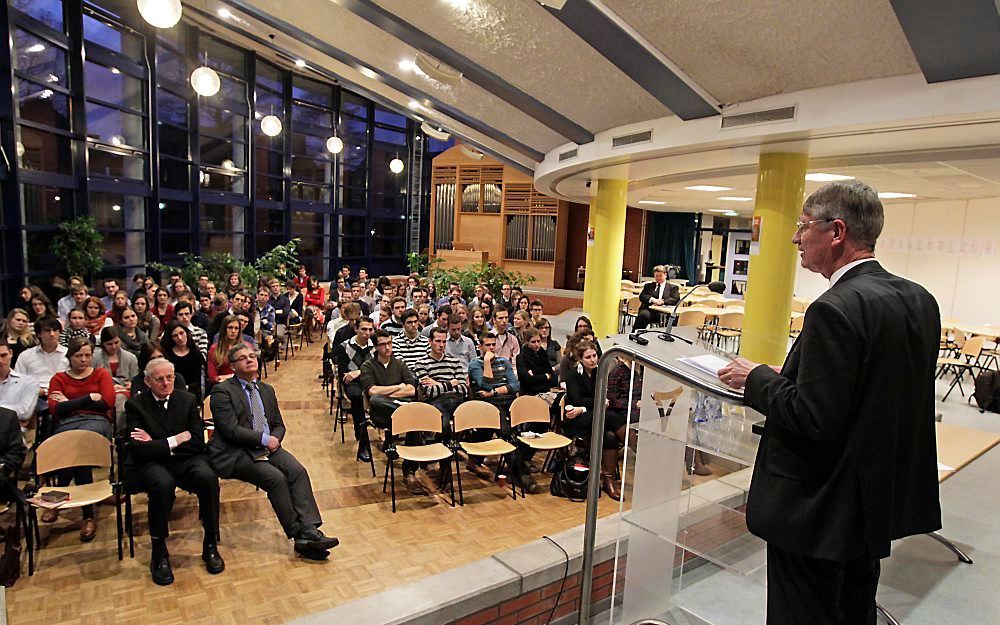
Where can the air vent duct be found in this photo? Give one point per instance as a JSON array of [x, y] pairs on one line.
[[636, 137], [759, 117], [568, 154]]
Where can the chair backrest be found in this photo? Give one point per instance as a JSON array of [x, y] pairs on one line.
[[416, 417], [633, 306], [732, 302], [797, 323], [666, 397], [75, 448], [973, 346], [691, 318], [528, 409], [799, 305], [732, 320], [476, 414]]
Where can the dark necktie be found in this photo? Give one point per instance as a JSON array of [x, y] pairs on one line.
[[257, 420]]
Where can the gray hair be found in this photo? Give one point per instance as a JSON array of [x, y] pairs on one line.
[[660, 269], [235, 350], [156, 363], [854, 203]]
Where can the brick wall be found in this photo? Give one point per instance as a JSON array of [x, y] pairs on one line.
[[576, 242], [555, 304]]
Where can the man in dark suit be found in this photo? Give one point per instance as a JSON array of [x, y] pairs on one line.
[[659, 292], [847, 462], [166, 450], [247, 446], [12, 452]]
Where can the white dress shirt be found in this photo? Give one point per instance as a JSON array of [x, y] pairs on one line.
[[837, 275], [20, 394]]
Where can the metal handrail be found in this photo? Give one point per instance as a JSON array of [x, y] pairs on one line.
[[671, 371]]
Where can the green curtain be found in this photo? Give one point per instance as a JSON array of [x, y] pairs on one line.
[[670, 241]]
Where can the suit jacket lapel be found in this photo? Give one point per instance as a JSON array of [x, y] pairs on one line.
[[155, 410], [238, 389]]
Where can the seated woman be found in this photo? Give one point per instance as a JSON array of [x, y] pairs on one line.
[[94, 317], [118, 305], [150, 350], [41, 306], [120, 363], [17, 332], [580, 391], [162, 308], [128, 330], [569, 361], [180, 349], [550, 345], [219, 369], [146, 320], [81, 398], [315, 299]]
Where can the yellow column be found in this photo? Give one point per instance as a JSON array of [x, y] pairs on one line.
[[780, 185], [602, 288], [588, 285]]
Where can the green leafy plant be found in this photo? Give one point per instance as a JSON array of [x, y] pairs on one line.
[[417, 262], [489, 275], [79, 246], [280, 262]]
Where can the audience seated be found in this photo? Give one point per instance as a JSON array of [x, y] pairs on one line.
[[42, 362], [494, 381], [394, 325], [184, 315], [147, 321], [459, 346], [508, 345], [18, 391], [12, 452], [148, 352], [410, 345], [181, 351], [218, 369], [349, 356], [17, 333]]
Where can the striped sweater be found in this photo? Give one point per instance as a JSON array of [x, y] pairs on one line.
[[410, 351], [442, 372]]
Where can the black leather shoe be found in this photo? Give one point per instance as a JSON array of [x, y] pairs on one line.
[[163, 575], [316, 539], [214, 563], [364, 455], [306, 550]]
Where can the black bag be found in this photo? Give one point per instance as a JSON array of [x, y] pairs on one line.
[[569, 479], [10, 562], [987, 392]]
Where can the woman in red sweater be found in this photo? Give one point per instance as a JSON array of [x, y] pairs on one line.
[[315, 300], [219, 368], [162, 307], [81, 398]]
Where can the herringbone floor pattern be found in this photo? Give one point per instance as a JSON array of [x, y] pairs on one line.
[[264, 582]]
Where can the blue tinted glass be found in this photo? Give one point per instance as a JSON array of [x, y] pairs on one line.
[[111, 85], [171, 108], [39, 58], [391, 137], [49, 12], [112, 37], [312, 91], [383, 116], [42, 105]]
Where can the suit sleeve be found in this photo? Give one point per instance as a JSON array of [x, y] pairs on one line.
[[575, 394], [148, 451], [196, 426], [227, 424], [14, 451], [817, 403], [646, 294]]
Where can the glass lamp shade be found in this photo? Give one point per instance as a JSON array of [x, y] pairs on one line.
[[160, 13], [228, 164], [205, 81], [396, 166], [334, 145], [271, 126]]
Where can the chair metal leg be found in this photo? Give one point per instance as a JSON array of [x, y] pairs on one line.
[[129, 526], [385, 480], [115, 492], [458, 472], [886, 614], [392, 481], [452, 482], [961, 555], [368, 445], [32, 525]]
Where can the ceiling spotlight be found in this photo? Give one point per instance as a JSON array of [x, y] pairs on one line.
[[206, 81], [115, 71], [368, 73], [821, 177], [35, 48], [733, 198], [57, 198], [160, 13], [225, 13], [435, 69], [45, 94], [555, 4], [300, 63], [228, 164], [731, 214], [473, 154], [162, 205], [117, 140], [271, 126], [395, 166], [889, 195], [413, 104], [406, 65], [707, 187], [434, 133], [116, 207], [335, 145], [53, 78]]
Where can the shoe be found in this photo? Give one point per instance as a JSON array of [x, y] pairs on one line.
[[307, 551], [608, 486], [50, 516], [415, 487], [214, 563], [316, 539], [529, 484], [701, 469], [364, 455], [479, 470], [89, 530], [160, 569]]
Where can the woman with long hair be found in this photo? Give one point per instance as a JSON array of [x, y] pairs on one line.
[[94, 317], [477, 324], [315, 299], [583, 324], [580, 399], [17, 333], [147, 352], [81, 398], [120, 363], [118, 305], [147, 321], [568, 360], [234, 284], [219, 369], [487, 308], [162, 308], [179, 348], [128, 330], [26, 294], [549, 344], [41, 306]]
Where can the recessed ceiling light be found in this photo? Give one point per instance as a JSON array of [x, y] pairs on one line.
[[369, 73], [889, 195], [406, 65], [734, 198], [115, 71], [707, 187], [225, 13], [821, 177], [719, 210], [300, 63], [731, 214], [35, 48], [652, 202]]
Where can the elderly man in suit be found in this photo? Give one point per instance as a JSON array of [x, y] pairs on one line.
[[847, 461], [166, 450], [659, 292], [247, 446]]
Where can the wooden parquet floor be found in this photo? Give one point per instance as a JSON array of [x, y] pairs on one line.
[[264, 582]]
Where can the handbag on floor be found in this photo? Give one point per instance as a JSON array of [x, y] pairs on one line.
[[10, 562], [569, 479]]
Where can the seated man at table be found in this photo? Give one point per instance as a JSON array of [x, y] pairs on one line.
[[247, 447], [166, 451], [659, 292]]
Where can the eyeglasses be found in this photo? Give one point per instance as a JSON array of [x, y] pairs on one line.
[[799, 225], [163, 378], [246, 357]]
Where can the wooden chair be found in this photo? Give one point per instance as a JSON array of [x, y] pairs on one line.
[[531, 409], [293, 331], [482, 415], [730, 326], [729, 303], [799, 305], [966, 361], [795, 327], [629, 313], [70, 450], [414, 417]]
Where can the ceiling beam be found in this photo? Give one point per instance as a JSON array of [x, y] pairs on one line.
[[636, 58], [952, 39], [478, 75], [406, 89]]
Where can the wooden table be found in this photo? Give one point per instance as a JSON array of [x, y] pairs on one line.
[[957, 447], [710, 311]]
